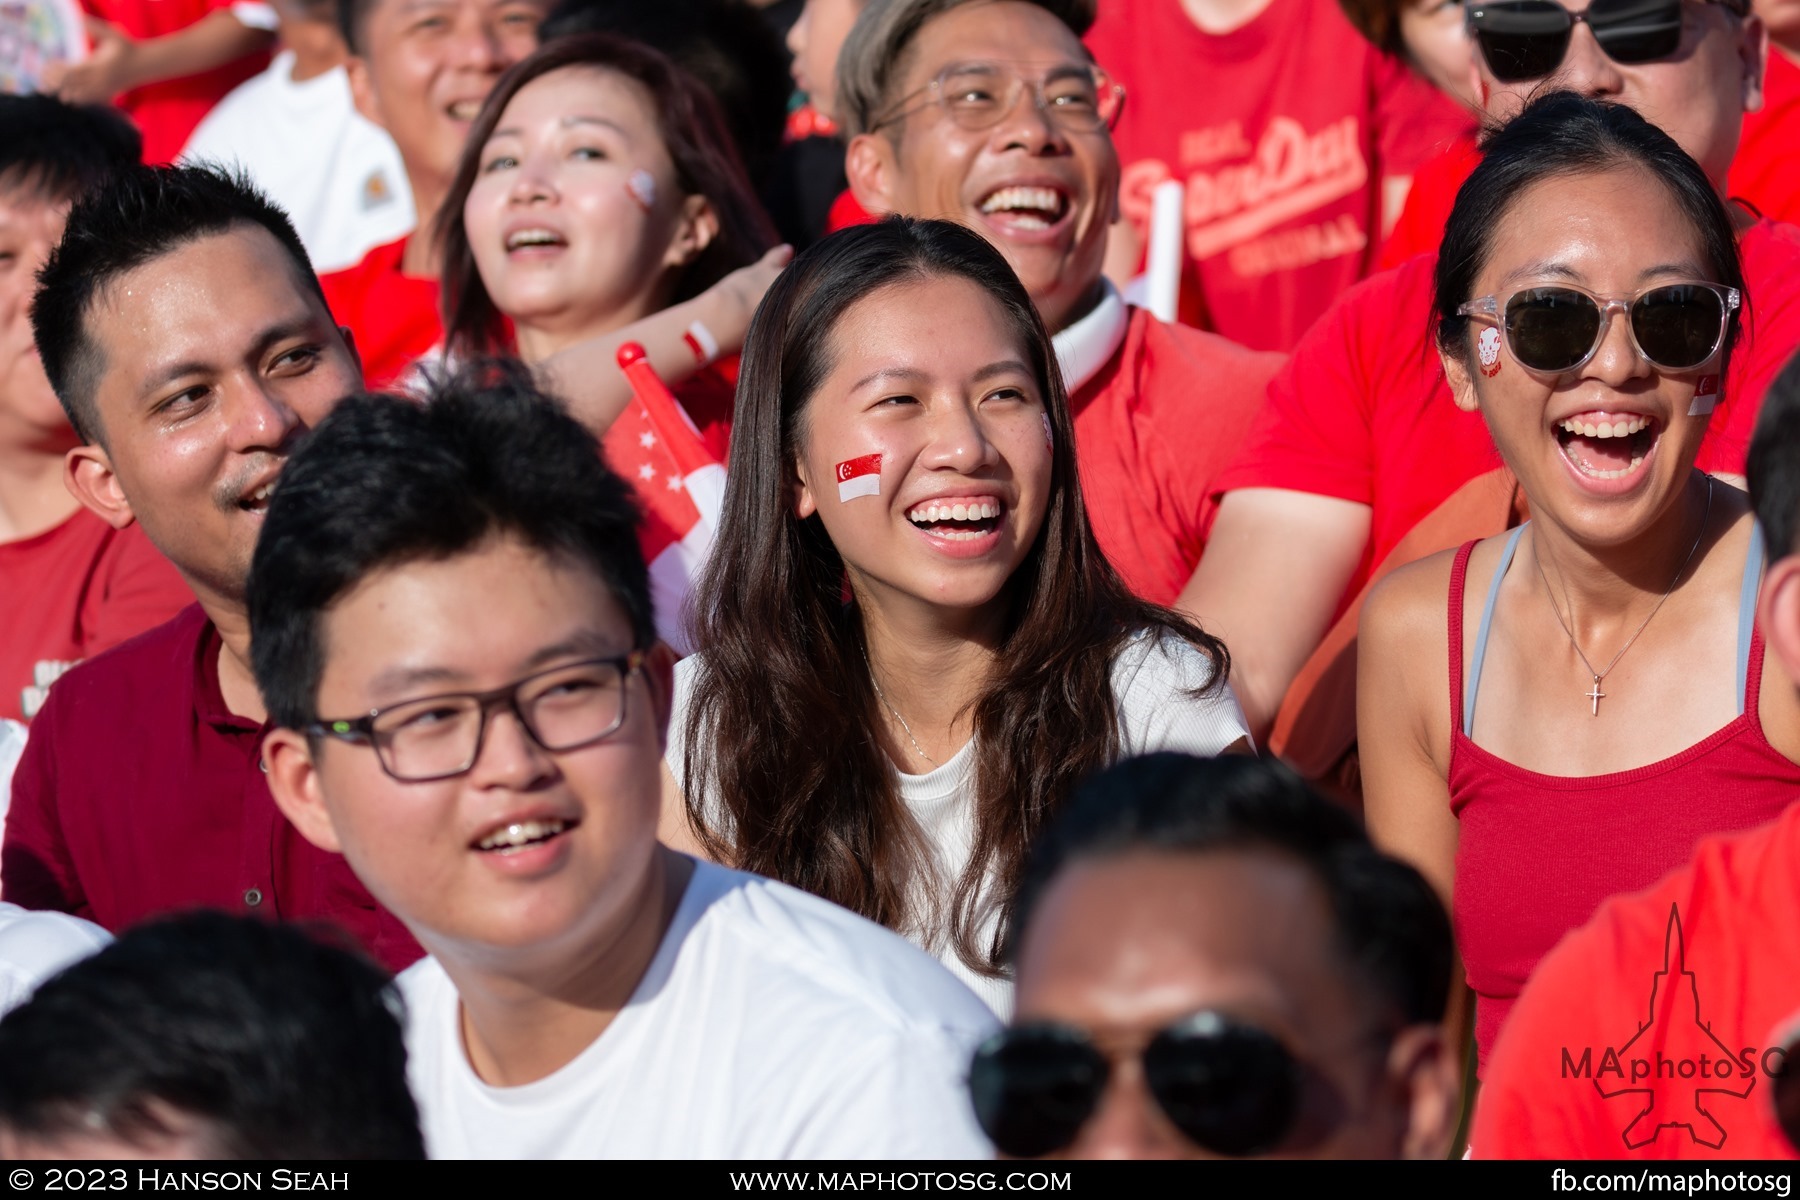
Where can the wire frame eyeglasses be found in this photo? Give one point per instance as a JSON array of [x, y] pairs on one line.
[[440, 737], [979, 95]]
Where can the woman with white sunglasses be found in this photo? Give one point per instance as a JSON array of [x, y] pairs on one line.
[[1556, 715]]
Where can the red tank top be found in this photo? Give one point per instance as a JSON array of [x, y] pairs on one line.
[[1537, 853]]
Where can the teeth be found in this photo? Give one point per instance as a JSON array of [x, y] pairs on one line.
[[1607, 429], [1043, 199], [981, 510], [261, 495], [532, 237], [521, 833], [465, 110], [1636, 459]]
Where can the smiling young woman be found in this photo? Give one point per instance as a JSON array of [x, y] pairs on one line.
[[910, 647], [1588, 295]]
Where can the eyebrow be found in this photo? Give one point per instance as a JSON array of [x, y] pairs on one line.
[[1003, 367], [399, 680], [1557, 270], [162, 376], [573, 119]]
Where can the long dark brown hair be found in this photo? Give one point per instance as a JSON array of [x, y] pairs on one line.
[[783, 768], [693, 131]]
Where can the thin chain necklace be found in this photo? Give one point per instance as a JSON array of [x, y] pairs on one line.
[[895, 713], [1595, 694]]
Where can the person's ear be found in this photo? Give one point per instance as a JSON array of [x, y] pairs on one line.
[[694, 232], [659, 674], [88, 474], [1778, 612], [1422, 1073], [805, 502], [1753, 56], [870, 166], [1462, 384], [362, 89], [294, 782]]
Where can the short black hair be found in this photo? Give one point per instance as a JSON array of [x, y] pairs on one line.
[[1773, 466], [58, 151], [135, 217], [727, 45], [1391, 926], [1557, 135], [385, 480], [280, 1043]]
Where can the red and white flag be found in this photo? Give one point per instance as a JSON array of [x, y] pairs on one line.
[[859, 477], [680, 485]]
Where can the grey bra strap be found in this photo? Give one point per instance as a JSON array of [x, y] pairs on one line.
[[1753, 569], [1473, 683]]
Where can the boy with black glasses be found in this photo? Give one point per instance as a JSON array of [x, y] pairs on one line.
[[452, 626], [1213, 962]]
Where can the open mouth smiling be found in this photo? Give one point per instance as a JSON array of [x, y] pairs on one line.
[[1605, 445], [1026, 207], [958, 518]]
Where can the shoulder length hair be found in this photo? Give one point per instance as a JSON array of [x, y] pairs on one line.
[[693, 131], [783, 769]]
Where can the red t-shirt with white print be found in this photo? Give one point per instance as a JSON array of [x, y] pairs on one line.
[[1283, 131]]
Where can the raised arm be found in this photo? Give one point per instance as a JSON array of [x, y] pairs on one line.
[[1275, 569], [586, 375], [120, 63]]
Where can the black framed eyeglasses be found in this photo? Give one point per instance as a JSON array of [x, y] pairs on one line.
[[1675, 326], [1527, 39], [440, 737], [979, 95], [1229, 1087]]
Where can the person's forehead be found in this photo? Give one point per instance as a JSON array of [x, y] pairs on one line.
[[402, 9], [1146, 937], [1012, 31], [204, 300], [24, 204]]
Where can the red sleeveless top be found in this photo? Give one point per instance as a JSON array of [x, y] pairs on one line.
[[1537, 853]]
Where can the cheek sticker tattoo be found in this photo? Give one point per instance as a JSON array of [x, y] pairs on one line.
[[642, 186], [1049, 437], [1488, 347], [859, 477], [1706, 396]]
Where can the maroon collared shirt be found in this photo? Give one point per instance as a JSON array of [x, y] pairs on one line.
[[141, 793]]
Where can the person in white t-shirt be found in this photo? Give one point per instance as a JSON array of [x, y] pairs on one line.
[[455, 642], [295, 131], [909, 646], [36, 945]]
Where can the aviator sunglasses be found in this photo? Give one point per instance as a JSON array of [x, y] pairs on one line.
[[1526, 39], [1230, 1088], [1675, 326]]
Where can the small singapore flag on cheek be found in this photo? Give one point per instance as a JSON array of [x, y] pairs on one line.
[[859, 477]]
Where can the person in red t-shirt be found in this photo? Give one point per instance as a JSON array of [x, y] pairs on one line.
[[420, 71], [1764, 175], [70, 584], [1360, 442], [1700, 968], [1158, 408], [167, 61], [186, 338], [600, 202], [1293, 136]]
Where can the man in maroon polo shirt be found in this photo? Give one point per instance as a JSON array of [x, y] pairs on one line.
[[186, 337]]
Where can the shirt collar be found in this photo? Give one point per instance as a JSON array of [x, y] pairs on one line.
[[1089, 344]]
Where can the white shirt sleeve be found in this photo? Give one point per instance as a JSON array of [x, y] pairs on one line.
[[36, 945], [907, 1098], [1155, 679], [255, 15]]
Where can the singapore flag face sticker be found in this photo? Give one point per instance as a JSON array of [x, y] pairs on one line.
[[1706, 396], [859, 477], [1049, 436], [1488, 346]]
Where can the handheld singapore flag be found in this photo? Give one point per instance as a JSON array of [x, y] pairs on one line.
[[859, 477], [679, 483]]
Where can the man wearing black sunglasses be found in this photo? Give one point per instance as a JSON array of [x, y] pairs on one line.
[[452, 624], [1213, 961], [1360, 463]]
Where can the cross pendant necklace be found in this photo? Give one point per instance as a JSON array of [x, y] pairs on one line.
[[1595, 695]]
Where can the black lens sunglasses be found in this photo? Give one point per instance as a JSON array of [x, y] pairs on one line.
[[1527, 39], [1229, 1087]]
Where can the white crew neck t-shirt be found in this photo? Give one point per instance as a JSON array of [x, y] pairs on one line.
[[36, 945], [1153, 680], [337, 174], [770, 1024]]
